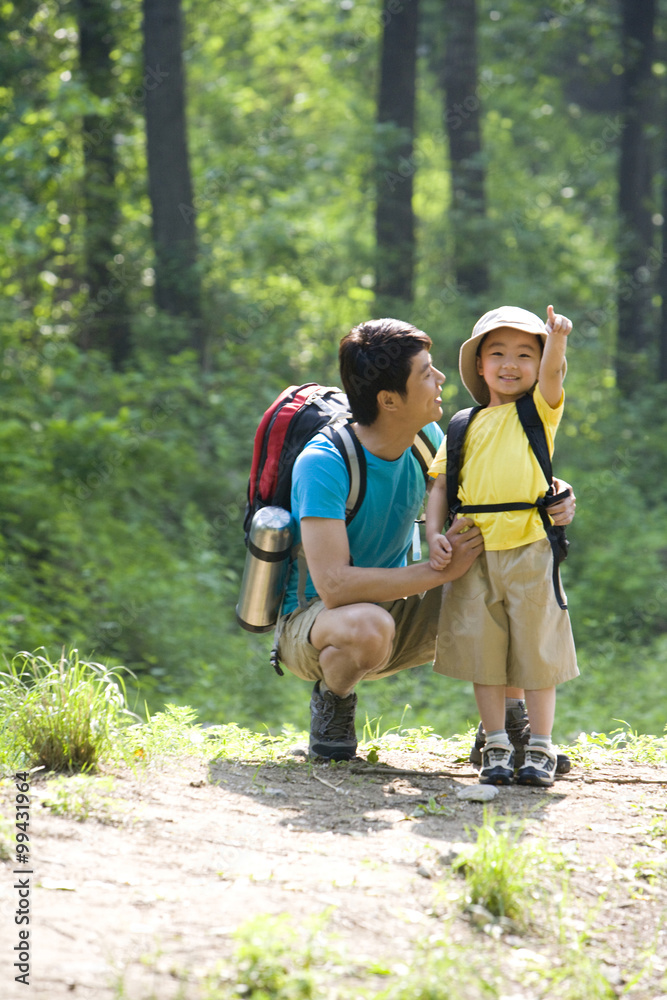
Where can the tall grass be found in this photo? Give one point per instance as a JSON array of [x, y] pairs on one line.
[[63, 715]]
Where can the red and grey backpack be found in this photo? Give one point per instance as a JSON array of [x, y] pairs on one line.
[[296, 416]]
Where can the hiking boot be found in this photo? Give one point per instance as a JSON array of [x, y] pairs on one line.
[[517, 727], [497, 764], [332, 732], [539, 767]]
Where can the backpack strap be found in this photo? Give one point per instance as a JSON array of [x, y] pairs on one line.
[[456, 432], [424, 451], [534, 429], [350, 447]]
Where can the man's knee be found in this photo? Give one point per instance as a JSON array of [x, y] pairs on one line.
[[371, 635], [364, 633]]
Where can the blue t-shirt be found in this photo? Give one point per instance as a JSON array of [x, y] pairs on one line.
[[380, 534]]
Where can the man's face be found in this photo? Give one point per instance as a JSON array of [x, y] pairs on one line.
[[423, 387], [509, 363]]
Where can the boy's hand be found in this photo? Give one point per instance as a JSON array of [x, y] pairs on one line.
[[440, 552], [557, 323]]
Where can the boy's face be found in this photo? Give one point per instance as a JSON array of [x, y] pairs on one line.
[[509, 363]]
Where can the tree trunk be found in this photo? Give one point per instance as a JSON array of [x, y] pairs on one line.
[[394, 218], [467, 214], [635, 249], [662, 276], [106, 324], [177, 284]]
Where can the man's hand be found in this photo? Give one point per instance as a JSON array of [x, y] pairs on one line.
[[467, 543], [563, 511], [440, 552]]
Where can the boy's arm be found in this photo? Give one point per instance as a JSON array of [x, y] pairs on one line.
[[437, 511], [551, 367], [437, 508]]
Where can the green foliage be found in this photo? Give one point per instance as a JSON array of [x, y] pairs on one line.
[[82, 797], [63, 715], [276, 961], [507, 874], [596, 749], [122, 492], [230, 742], [172, 733], [7, 831]]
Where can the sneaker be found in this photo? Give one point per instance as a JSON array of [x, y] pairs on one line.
[[332, 733], [539, 767], [518, 730], [497, 764]]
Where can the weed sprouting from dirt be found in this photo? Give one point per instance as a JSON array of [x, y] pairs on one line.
[[64, 715], [81, 797], [506, 874]]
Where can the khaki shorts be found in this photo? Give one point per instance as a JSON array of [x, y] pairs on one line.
[[500, 623], [416, 620]]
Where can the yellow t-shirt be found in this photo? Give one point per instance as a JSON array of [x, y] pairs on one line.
[[499, 466]]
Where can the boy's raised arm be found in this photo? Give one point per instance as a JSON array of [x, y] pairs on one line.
[[551, 367]]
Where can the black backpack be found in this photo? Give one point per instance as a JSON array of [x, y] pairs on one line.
[[534, 429]]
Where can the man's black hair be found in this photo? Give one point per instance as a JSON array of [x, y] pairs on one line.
[[376, 356]]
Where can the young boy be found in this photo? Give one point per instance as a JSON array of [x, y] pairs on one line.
[[500, 623]]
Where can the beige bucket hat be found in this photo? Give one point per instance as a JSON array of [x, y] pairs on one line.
[[511, 316]]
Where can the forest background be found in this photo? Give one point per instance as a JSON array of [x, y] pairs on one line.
[[199, 199]]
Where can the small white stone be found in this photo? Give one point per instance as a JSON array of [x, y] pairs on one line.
[[477, 793]]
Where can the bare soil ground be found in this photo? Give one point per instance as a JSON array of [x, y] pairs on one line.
[[141, 899]]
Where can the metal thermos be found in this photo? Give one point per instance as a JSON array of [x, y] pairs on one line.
[[265, 570]]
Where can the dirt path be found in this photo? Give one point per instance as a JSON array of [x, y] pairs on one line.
[[140, 900]]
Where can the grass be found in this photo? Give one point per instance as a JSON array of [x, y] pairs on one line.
[[173, 732], [81, 797], [7, 831], [64, 715], [623, 745], [508, 876]]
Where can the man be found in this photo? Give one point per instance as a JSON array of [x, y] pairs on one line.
[[354, 609]]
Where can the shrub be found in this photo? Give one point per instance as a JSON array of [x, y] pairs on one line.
[[62, 716]]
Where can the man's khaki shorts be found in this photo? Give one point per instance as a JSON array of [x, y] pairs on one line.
[[416, 620], [500, 623]]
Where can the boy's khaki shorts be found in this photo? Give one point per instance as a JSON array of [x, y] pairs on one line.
[[500, 623], [416, 620]]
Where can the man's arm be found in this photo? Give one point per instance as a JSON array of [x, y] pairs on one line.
[[338, 584]]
